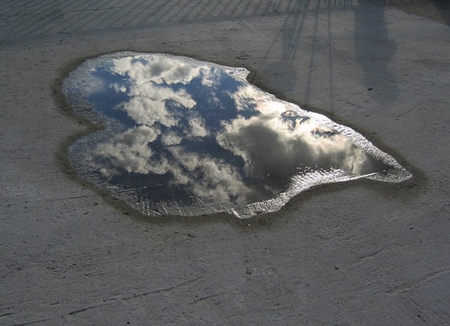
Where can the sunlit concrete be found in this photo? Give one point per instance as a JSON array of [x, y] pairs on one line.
[[358, 253]]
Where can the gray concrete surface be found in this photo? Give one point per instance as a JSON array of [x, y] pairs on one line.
[[358, 253]]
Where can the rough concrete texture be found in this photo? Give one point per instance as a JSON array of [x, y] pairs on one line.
[[356, 253]]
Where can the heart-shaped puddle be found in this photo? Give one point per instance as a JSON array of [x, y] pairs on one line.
[[186, 137]]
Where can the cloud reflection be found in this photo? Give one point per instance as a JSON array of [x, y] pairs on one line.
[[189, 137]]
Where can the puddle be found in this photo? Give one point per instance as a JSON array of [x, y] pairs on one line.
[[186, 137]]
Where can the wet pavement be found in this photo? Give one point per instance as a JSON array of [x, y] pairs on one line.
[[186, 137]]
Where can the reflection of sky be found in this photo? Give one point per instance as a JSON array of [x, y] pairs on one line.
[[200, 133]]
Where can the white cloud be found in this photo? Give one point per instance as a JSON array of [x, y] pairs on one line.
[[131, 152], [150, 91], [269, 143], [198, 128], [161, 69], [146, 111], [210, 178], [170, 138], [161, 93], [119, 88], [93, 85]]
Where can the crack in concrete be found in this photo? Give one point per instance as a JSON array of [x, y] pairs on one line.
[[163, 289], [409, 286], [108, 301], [203, 298], [372, 254], [8, 314], [33, 322]]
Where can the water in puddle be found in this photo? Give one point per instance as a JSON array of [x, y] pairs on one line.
[[186, 137]]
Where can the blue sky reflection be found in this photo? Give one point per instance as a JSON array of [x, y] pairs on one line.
[[185, 137]]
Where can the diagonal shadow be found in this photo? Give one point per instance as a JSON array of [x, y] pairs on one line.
[[289, 37], [443, 7], [374, 51]]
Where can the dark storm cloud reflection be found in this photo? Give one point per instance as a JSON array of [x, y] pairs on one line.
[[185, 137]]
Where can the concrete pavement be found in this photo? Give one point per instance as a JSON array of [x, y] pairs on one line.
[[357, 253]]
